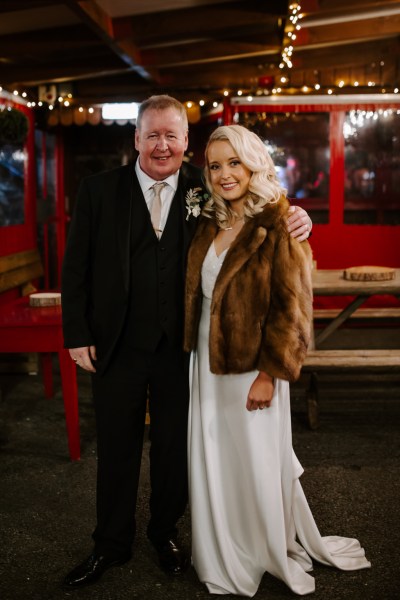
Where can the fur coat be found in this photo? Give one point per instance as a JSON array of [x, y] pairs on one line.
[[261, 309]]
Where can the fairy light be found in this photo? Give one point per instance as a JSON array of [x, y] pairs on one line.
[[189, 104], [226, 93], [240, 92], [91, 110], [291, 26], [202, 103], [341, 83]]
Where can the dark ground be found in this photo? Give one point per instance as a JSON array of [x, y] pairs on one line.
[[352, 465]]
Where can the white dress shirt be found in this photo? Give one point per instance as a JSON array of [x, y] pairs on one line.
[[167, 193]]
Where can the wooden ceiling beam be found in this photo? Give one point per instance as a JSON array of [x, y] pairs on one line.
[[203, 21], [325, 7], [349, 32], [45, 43], [12, 6], [347, 56], [100, 22], [55, 73], [206, 53]]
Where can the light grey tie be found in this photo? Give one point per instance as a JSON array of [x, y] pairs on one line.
[[155, 214]]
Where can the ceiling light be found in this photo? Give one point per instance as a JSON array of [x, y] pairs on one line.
[[116, 111]]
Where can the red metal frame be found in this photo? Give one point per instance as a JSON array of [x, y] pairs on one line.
[[337, 245], [17, 238]]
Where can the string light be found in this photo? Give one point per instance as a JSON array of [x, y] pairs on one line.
[[66, 100], [287, 51]]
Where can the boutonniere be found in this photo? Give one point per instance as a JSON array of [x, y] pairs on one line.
[[194, 201]]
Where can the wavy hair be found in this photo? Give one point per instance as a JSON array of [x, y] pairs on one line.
[[264, 187]]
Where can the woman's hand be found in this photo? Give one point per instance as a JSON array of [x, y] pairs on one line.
[[261, 392], [84, 357]]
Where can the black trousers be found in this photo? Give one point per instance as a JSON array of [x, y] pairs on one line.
[[120, 396]]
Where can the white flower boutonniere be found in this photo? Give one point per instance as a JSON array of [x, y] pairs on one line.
[[194, 201]]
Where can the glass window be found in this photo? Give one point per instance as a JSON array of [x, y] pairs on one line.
[[12, 188], [299, 146], [372, 167]]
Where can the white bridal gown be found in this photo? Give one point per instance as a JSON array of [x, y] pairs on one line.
[[247, 505]]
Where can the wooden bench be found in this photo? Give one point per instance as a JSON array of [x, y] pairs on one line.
[[339, 360], [19, 270], [380, 313], [37, 329]]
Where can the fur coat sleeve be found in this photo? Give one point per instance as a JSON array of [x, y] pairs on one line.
[[261, 310]]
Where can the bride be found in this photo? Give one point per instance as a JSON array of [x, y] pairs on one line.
[[248, 321]]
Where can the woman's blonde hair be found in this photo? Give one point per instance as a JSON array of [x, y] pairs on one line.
[[264, 187]]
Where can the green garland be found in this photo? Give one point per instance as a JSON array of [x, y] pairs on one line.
[[14, 126]]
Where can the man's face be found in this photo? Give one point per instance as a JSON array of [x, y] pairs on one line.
[[161, 142]]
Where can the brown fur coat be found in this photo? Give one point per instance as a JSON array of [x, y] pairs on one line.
[[261, 308]]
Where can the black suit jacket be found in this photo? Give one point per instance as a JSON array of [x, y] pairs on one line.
[[96, 269]]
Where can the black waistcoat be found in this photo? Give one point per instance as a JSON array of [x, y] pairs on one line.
[[156, 280]]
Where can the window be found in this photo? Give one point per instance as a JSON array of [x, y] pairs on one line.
[[12, 186], [299, 146], [372, 167]]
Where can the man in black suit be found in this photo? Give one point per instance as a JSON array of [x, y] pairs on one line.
[[122, 297]]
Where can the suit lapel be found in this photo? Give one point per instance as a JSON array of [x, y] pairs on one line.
[[128, 187], [187, 181]]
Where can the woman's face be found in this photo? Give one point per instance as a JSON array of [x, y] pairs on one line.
[[229, 177]]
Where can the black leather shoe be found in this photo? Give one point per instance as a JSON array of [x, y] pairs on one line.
[[92, 569], [173, 560]]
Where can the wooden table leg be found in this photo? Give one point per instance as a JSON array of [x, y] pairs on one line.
[[70, 395], [341, 318]]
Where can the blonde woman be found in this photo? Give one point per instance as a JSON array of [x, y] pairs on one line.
[[248, 321]]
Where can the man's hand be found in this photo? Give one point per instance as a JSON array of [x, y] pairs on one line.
[[299, 223], [83, 357]]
